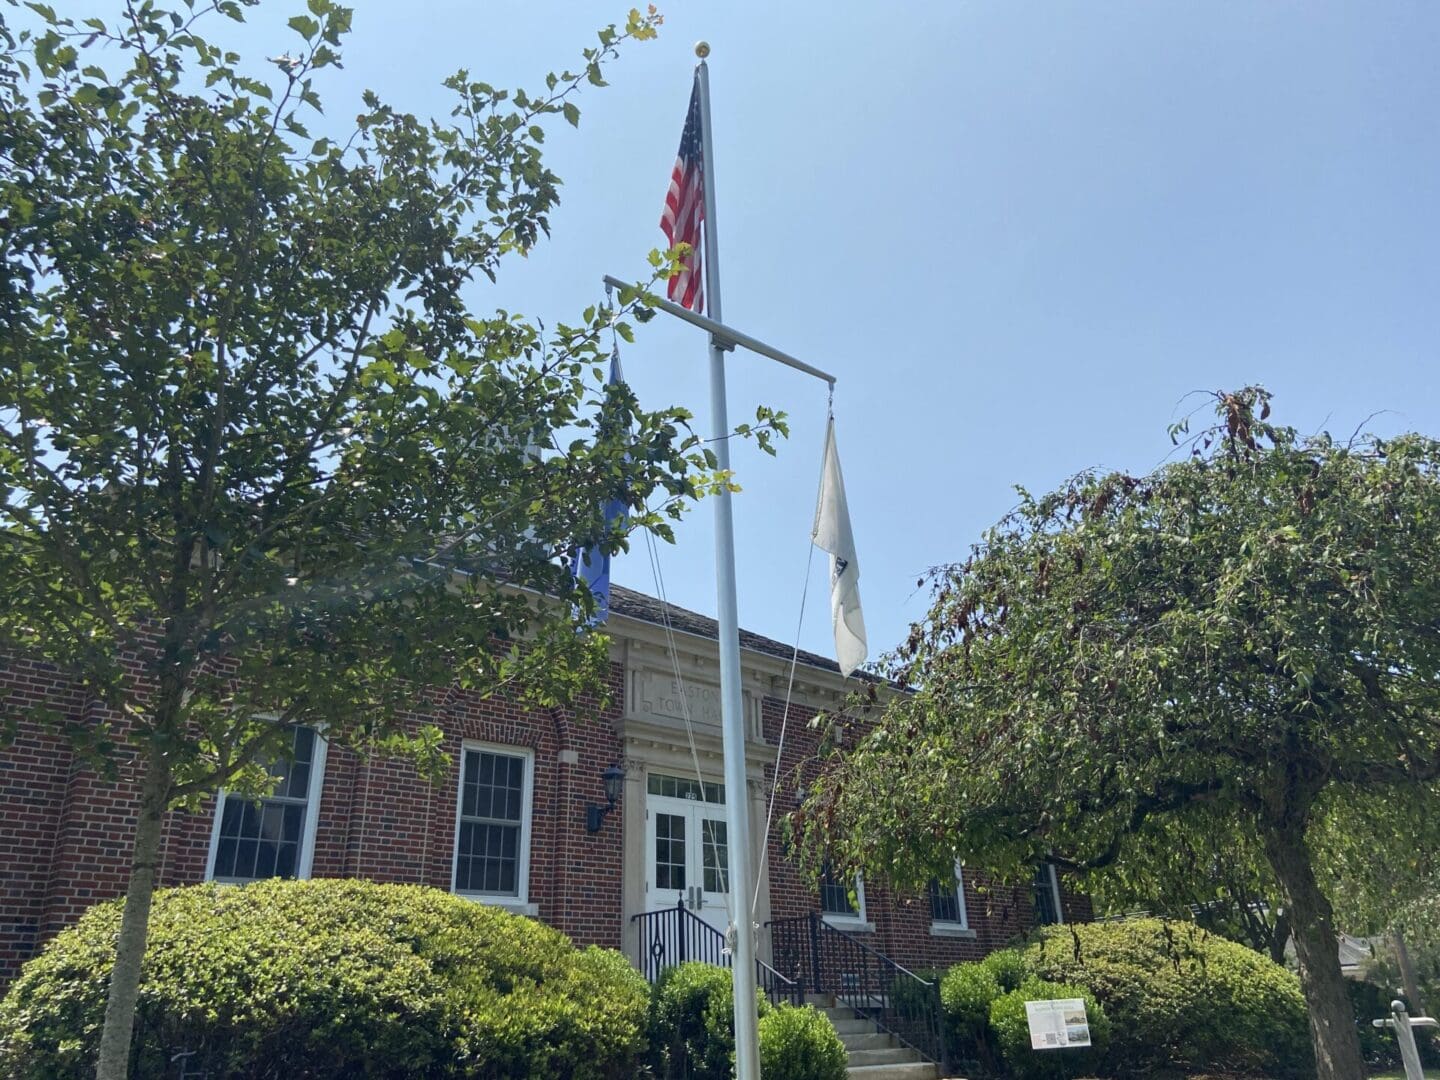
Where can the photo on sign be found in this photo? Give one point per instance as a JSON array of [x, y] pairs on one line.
[[1055, 1025]]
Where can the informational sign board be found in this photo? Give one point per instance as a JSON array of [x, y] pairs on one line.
[[1054, 1025]]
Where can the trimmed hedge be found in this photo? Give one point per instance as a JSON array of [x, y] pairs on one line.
[[1181, 997], [692, 1031], [967, 991], [332, 978], [1010, 1027], [798, 1043], [1009, 967], [692, 1022]]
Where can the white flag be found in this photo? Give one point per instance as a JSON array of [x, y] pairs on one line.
[[832, 533]]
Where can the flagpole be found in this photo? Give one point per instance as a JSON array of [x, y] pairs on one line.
[[737, 800]]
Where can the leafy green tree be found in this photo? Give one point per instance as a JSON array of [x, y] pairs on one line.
[[1245, 642], [251, 432], [1207, 871]]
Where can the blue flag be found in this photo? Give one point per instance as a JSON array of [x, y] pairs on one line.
[[592, 565]]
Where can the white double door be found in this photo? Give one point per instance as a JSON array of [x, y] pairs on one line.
[[687, 858]]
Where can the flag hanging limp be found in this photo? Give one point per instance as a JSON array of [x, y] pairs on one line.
[[832, 533], [592, 564], [684, 212]]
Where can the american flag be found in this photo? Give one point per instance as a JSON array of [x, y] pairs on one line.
[[685, 209]]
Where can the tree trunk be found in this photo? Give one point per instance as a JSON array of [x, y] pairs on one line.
[[1280, 937], [1332, 1019], [1407, 977], [134, 926]]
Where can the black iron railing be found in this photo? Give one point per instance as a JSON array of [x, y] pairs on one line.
[[809, 951], [676, 935], [777, 987]]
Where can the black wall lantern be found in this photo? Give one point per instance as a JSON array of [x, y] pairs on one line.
[[614, 778]]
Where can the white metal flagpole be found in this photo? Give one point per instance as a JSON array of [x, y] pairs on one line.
[[741, 936]]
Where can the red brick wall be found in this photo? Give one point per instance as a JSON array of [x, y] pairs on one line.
[[65, 829], [34, 778]]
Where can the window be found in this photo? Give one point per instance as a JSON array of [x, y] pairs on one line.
[[947, 903], [274, 836], [492, 834], [678, 787], [841, 901], [1047, 896]]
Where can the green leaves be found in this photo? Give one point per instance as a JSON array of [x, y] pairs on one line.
[[247, 399], [1130, 672], [305, 26], [393, 978]]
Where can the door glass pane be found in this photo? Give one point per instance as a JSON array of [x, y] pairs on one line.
[[716, 854], [669, 851]]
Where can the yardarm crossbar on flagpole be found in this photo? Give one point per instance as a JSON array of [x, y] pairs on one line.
[[727, 337]]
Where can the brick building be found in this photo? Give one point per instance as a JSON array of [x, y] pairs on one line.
[[509, 825]]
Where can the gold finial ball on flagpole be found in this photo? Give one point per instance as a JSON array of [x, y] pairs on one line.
[[702, 49]]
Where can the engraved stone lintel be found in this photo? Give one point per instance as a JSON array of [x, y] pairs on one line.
[[661, 695]]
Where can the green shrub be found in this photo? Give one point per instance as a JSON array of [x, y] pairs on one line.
[[1009, 967], [335, 979], [1182, 998], [1010, 1028], [692, 1022], [799, 1043], [967, 992]]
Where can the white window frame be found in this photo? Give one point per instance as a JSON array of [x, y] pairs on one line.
[[519, 903], [857, 923], [1055, 893], [312, 818], [951, 927]]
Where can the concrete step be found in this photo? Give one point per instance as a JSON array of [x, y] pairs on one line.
[[915, 1070], [866, 1040], [872, 1054], [891, 1055], [846, 1020]]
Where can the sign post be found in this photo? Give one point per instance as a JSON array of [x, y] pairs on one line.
[[1404, 1023]]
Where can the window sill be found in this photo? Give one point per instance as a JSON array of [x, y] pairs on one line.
[[509, 903], [849, 924], [955, 930]]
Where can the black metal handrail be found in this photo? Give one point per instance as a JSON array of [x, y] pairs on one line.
[[676, 935], [673, 936], [815, 954]]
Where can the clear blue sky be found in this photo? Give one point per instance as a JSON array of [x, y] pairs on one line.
[[1018, 233]]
